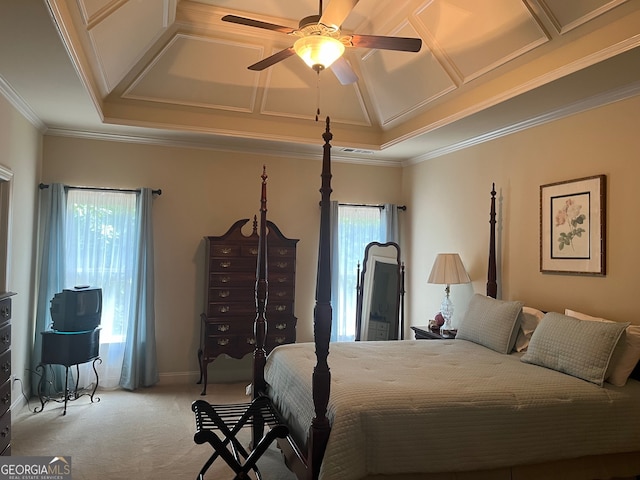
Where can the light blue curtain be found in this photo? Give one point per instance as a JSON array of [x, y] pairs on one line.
[[139, 368], [390, 223], [51, 280]]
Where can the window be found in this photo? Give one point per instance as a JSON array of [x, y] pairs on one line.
[[100, 251], [357, 226]]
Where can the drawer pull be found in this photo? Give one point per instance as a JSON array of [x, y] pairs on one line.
[[224, 309], [253, 251], [225, 250], [280, 340], [224, 293], [6, 367], [281, 308], [251, 341], [223, 328], [282, 265], [4, 311], [225, 264], [223, 341], [6, 339], [281, 279], [281, 326], [281, 293], [225, 279], [283, 251]]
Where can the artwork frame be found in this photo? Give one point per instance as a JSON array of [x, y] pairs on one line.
[[573, 226]]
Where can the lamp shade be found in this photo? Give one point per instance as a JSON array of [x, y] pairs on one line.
[[318, 51], [448, 270]]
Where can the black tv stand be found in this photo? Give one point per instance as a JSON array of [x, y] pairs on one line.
[[68, 349]]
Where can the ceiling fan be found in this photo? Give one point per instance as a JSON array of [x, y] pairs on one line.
[[321, 44]]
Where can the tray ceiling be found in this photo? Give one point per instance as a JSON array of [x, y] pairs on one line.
[[172, 70]]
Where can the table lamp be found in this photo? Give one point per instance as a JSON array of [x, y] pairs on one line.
[[448, 270]]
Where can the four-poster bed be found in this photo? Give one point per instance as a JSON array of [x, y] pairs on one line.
[[464, 408]]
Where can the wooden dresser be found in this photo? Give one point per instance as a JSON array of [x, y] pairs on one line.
[[229, 297], [5, 373]]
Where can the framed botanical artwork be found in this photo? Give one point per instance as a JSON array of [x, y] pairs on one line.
[[572, 226]]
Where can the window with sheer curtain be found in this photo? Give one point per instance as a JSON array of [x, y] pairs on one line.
[[101, 251], [356, 227]]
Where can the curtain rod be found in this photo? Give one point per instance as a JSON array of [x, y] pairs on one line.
[[400, 207], [124, 190]]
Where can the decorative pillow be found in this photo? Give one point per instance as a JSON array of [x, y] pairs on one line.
[[579, 348], [625, 356], [529, 319], [490, 322]]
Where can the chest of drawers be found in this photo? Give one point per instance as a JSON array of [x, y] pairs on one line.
[[229, 309], [5, 373]]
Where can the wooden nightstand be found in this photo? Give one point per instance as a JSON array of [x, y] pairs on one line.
[[423, 333]]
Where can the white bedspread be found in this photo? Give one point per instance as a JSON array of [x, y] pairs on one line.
[[448, 405]]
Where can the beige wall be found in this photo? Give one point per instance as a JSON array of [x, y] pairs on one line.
[[448, 200], [20, 151], [203, 193]]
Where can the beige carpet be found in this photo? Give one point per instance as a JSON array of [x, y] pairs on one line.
[[146, 434]]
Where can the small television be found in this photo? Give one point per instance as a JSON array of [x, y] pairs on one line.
[[76, 309]]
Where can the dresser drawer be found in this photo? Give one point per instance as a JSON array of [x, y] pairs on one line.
[[279, 308], [280, 293], [281, 326], [224, 250], [232, 264], [5, 430], [279, 251], [234, 279], [234, 346], [228, 294], [5, 396], [5, 366], [5, 310], [5, 337], [221, 310], [279, 339], [279, 265], [233, 326]]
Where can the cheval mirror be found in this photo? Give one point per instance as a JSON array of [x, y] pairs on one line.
[[380, 293]]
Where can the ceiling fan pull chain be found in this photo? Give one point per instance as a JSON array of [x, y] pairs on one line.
[[318, 97]]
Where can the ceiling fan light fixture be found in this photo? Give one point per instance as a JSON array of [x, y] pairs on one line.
[[318, 51]]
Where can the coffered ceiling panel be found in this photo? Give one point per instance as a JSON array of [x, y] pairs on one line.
[[400, 83], [187, 72], [569, 14], [475, 37], [121, 38]]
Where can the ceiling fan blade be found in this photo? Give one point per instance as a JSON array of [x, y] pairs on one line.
[[403, 44], [336, 12], [257, 23], [272, 60], [343, 71]]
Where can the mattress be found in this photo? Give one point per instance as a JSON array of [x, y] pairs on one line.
[[406, 407]]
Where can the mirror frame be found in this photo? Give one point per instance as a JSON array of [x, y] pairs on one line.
[[398, 325]]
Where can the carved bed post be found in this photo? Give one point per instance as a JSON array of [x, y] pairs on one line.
[[492, 285], [260, 324], [321, 380]]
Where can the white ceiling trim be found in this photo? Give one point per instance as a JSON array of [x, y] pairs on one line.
[[592, 102], [20, 105], [564, 28]]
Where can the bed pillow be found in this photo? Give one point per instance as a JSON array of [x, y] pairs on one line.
[[625, 356], [579, 348], [529, 319], [491, 323]]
